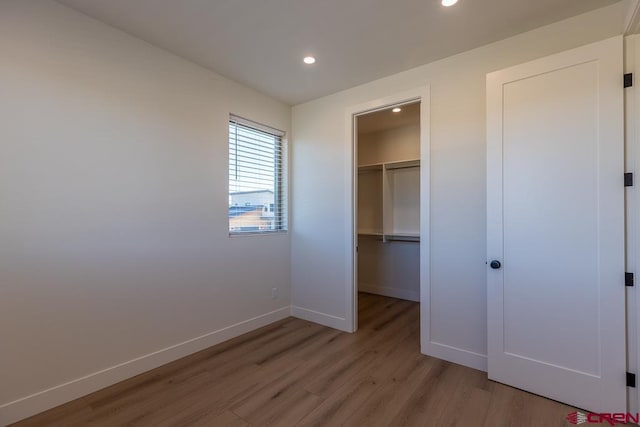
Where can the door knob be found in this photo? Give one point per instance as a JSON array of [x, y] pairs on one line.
[[495, 264]]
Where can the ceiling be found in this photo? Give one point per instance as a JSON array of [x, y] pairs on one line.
[[261, 43], [387, 119]]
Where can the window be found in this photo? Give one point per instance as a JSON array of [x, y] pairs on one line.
[[257, 178]]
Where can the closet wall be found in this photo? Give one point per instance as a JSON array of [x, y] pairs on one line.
[[389, 206]]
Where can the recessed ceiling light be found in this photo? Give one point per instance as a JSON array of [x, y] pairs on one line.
[[309, 60], [397, 110], [447, 3]]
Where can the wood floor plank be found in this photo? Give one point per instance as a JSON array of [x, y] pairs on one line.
[[294, 372], [434, 398], [474, 412], [400, 360], [288, 410], [383, 406], [336, 375], [338, 407], [226, 419]]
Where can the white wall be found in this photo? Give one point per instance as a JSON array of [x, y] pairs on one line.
[[390, 268], [391, 145], [113, 208], [321, 175]]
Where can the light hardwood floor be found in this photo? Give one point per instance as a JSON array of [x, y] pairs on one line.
[[295, 372]]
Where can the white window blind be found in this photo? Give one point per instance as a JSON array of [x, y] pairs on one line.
[[257, 178]]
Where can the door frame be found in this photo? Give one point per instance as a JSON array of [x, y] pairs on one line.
[[420, 94], [632, 211]]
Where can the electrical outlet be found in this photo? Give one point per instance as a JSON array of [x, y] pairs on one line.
[[274, 293]]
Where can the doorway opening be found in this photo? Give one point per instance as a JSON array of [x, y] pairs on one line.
[[387, 181]]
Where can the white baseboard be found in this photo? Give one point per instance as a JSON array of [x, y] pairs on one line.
[[320, 318], [407, 294], [52, 397], [456, 355]]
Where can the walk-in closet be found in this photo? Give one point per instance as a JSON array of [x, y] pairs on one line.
[[388, 203]]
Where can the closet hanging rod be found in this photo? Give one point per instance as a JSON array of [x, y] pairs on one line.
[[409, 239], [403, 167]]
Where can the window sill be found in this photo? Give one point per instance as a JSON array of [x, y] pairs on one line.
[[258, 233]]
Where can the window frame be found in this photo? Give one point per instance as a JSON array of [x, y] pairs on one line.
[[280, 197]]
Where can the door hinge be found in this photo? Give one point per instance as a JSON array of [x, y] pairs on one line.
[[628, 80], [628, 279], [631, 380], [628, 179]]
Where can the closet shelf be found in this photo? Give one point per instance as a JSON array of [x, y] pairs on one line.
[[373, 167], [415, 163], [390, 237], [369, 233], [400, 164], [402, 238]]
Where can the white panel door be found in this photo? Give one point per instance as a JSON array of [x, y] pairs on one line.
[[555, 222]]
